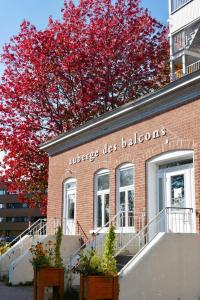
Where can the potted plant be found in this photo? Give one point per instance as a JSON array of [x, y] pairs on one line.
[[48, 267], [99, 278]]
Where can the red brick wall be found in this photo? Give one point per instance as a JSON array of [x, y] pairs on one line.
[[183, 132]]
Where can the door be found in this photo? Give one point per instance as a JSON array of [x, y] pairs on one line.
[[175, 193], [179, 200], [69, 216]]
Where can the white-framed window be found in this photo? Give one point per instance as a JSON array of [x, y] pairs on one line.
[[126, 194], [102, 195]]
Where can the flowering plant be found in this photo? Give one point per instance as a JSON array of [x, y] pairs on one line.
[[48, 255], [42, 255]]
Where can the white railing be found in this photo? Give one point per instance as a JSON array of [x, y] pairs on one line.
[[126, 224], [189, 69], [29, 230], [32, 234], [170, 219], [21, 244], [193, 67], [135, 222], [178, 74], [24, 240], [37, 232], [178, 3]]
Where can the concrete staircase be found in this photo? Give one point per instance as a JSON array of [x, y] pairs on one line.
[[15, 262], [122, 260]]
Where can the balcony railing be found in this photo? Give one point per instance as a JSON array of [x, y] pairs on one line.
[[189, 69], [193, 67], [178, 74], [176, 4]]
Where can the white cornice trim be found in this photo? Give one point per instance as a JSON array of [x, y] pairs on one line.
[[114, 115]]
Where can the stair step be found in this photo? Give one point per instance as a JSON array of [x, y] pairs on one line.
[[122, 260]]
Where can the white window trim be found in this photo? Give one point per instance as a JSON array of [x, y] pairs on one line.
[[65, 191], [153, 173], [97, 193], [124, 189]]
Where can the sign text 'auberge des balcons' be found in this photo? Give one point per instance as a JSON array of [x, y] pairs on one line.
[[123, 144]]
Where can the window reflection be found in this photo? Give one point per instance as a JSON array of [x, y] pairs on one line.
[[126, 195], [102, 198], [126, 177]]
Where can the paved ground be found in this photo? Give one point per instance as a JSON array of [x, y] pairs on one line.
[[16, 293]]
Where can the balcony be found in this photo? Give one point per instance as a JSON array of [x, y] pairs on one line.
[[189, 69], [193, 67], [176, 4]]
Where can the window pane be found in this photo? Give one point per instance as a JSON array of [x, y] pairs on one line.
[[177, 191], [126, 177], [122, 201], [106, 209], [130, 200], [122, 208], [16, 219], [130, 208], [103, 182], [99, 211], [71, 200], [16, 205], [2, 192], [70, 185]]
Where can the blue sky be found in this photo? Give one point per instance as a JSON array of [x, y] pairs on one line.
[[13, 12]]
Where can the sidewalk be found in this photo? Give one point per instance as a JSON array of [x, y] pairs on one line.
[[16, 293]]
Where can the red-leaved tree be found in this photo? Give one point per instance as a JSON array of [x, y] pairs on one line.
[[99, 56]]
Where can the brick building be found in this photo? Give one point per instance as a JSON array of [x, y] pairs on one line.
[[139, 167], [140, 158]]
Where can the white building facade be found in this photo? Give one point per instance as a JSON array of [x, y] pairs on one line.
[[184, 26]]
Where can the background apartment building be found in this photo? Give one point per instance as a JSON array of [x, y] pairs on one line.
[[184, 25], [15, 216]]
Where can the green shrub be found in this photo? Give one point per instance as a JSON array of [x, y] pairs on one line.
[[90, 263], [58, 258], [108, 264]]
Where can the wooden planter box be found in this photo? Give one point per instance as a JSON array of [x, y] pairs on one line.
[[99, 287], [48, 277]]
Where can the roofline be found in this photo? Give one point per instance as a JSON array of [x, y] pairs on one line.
[[117, 112]]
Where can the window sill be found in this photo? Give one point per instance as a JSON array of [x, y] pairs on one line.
[[118, 230]]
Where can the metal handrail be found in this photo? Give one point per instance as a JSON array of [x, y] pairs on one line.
[[95, 233], [93, 242], [145, 230], [26, 231], [80, 230], [142, 230]]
